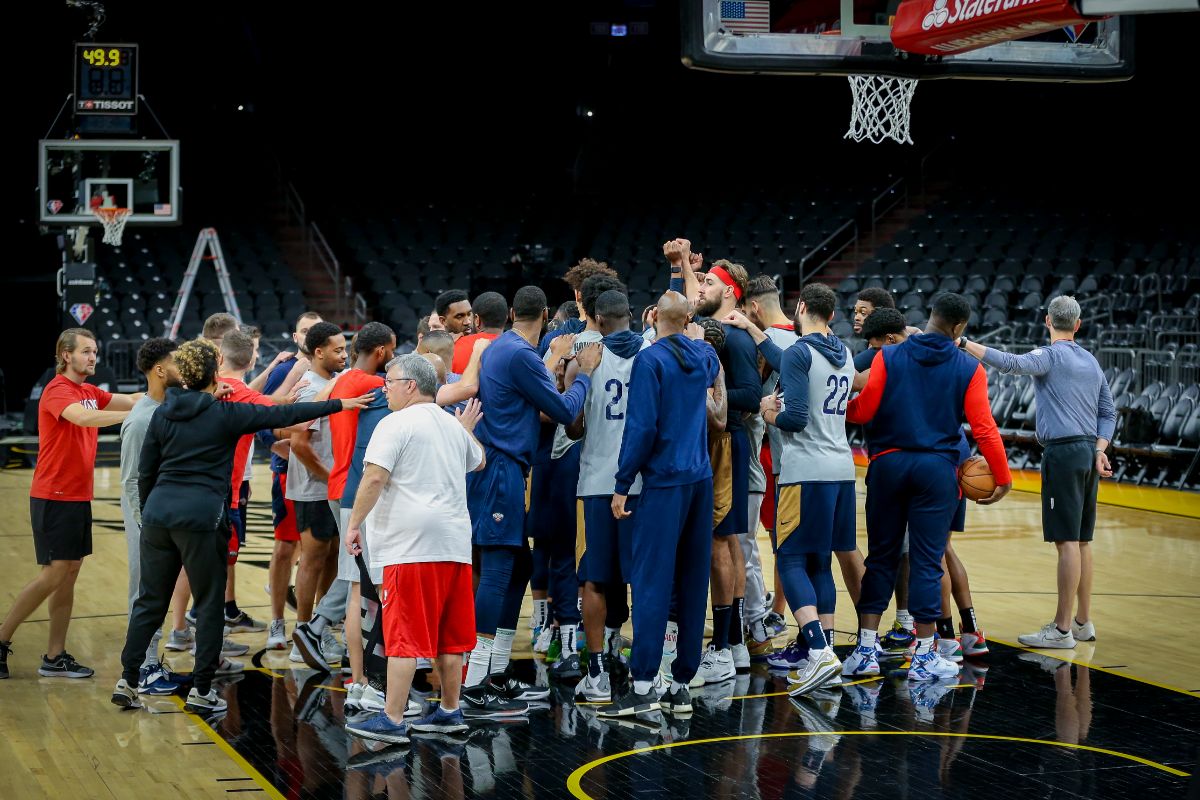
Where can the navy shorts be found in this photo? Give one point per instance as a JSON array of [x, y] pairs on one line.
[[496, 502], [815, 517], [960, 516], [552, 497], [738, 518], [237, 515], [608, 543]]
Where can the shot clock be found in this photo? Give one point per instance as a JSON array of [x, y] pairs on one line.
[[106, 78]]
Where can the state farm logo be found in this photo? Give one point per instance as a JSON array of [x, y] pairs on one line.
[[965, 10]]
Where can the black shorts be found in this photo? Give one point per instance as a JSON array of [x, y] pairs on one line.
[[314, 516], [1069, 486], [62, 529]]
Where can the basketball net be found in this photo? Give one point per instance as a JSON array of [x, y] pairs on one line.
[[880, 108], [113, 220]]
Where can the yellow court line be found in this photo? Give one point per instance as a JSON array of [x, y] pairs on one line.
[[268, 789], [575, 780], [1054, 653]]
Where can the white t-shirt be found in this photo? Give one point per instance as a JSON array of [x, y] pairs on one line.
[[422, 512]]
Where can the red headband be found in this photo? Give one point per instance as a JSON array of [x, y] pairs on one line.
[[726, 279]]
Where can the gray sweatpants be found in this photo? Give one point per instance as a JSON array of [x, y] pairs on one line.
[[133, 546], [755, 607]]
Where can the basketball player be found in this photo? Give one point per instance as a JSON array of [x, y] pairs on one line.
[[489, 313], [514, 387], [913, 404], [607, 541], [665, 442], [453, 309], [60, 499], [869, 300], [721, 292]]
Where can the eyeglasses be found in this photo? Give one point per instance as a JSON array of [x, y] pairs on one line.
[[388, 381]]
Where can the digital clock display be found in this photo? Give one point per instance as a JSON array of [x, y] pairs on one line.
[[106, 78]]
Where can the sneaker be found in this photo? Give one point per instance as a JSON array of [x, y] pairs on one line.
[[716, 666], [125, 696], [790, 657], [566, 668], [1047, 663], [243, 623], [64, 665], [931, 666], [973, 644], [415, 708], [277, 637], [153, 680], [677, 701], [716, 697], [898, 638], [229, 667], [228, 648], [819, 670], [331, 647], [507, 684], [775, 623], [210, 703], [1049, 636], [295, 656], [180, 640], [440, 721], [190, 616], [950, 649], [759, 651], [309, 646], [353, 702], [1083, 633], [546, 636], [380, 728], [925, 697], [631, 704], [865, 699], [484, 702], [5, 649], [371, 699], [594, 690], [741, 656], [862, 662]]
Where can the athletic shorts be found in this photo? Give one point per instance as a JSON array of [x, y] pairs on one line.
[[1069, 486], [960, 517], [347, 565], [283, 511], [438, 619], [315, 516], [237, 523], [737, 520], [496, 502], [815, 517], [62, 529], [552, 497], [607, 542]]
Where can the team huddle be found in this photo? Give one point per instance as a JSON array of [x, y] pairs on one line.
[[409, 487]]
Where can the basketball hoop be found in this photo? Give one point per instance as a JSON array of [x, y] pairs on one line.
[[880, 108], [113, 220]]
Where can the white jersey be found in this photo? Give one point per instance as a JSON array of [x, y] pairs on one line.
[[821, 452], [562, 442], [604, 419], [783, 339]]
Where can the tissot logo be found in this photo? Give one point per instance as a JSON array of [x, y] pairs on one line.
[[105, 105], [964, 10]]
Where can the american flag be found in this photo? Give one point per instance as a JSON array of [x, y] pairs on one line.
[[746, 16]]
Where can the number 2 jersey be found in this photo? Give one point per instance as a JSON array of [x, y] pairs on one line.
[[816, 376], [605, 410]]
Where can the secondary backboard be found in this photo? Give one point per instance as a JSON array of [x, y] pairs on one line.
[[76, 175], [844, 37]]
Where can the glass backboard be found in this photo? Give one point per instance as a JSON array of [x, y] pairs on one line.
[[76, 175]]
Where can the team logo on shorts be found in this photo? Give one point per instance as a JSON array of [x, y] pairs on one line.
[[498, 517]]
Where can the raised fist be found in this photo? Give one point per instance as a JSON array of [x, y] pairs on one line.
[[674, 252]]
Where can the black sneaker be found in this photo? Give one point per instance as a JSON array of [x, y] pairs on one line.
[[308, 643], [510, 687], [484, 702], [64, 666], [291, 598], [567, 668], [631, 703], [5, 649], [244, 623], [677, 702]]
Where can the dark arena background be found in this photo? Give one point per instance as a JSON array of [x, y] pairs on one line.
[[359, 160]]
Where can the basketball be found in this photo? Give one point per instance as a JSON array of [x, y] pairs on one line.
[[975, 478]]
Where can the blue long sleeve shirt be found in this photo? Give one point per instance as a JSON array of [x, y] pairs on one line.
[[514, 385], [368, 418], [1073, 397], [274, 380], [666, 427], [743, 386]]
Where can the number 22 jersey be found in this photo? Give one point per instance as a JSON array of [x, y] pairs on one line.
[[816, 376]]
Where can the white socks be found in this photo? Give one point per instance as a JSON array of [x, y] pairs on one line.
[[671, 639], [924, 647], [566, 637], [905, 619], [152, 650], [540, 610], [481, 658], [867, 638], [642, 687], [502, 648], [609, 633]]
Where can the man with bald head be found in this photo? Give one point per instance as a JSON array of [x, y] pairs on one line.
[[666, 441]]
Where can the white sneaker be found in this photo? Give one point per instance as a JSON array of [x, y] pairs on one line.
[[371, 699], [1083, 633], [950, 649], [180, 640], [331, 647], [1048, 636], [741, 656], [205, 703], [295, 657], [547, 636], [229, 667], [861, 662], [354, 696], [594, 690], [931, 667], [277, 639], [820, 668], [716, 666]]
